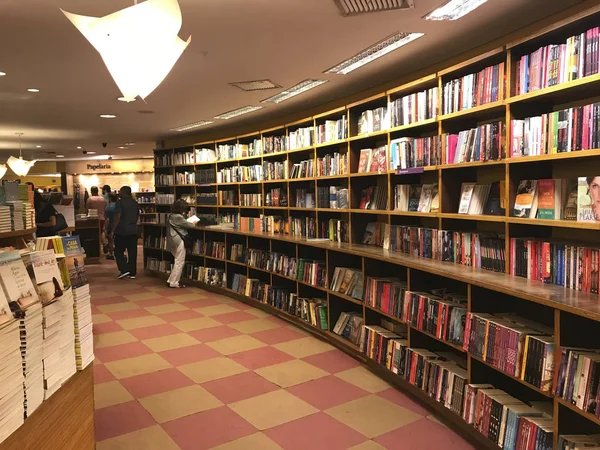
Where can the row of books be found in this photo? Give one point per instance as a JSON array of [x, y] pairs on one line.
[[155, 241], [209, 275], [577, 378], [349, 326], [216, 250], [183, 158], [332, 164], [237, 253], [162, 179], [475, 89], [332, 130], [305, 198], [373, 160], [198, 247], [165, 199], [555, 64], [373, 121], [335, 230], [253, 199], [157, 265], [347, 281], [276, 197], [237, 174], [374, 197], [513, 345], [227, 197], [413, 108], [207, 198], [303, 169], [408, 152], [483, 143], [163, 160], [274, 144], [302, 137], [205, 155], [477, 199], [553, 262], [275, 170], [334, 197], [416, 198], [206, 176], [566, 130]]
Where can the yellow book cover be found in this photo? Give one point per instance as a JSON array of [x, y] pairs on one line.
[[522, 374]]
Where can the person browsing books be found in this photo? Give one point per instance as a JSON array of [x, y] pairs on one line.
[[124, 232], [45, 216], [109, 215], [177, 234]]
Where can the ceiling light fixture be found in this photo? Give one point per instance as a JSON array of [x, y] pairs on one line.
[[301, 87], [238, 112], [122, 147], [255, 85], [78, 148], [91, 153], [138, 44], [38, 146], [454, 9], [2, 74], [383, 47], [60, 156], [107, 116], [3, 169], [129, 143], [191, 126], [33, 90], [123, 99], [19, 165]]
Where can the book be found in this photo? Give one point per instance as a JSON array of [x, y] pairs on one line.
[[46, 275], [466, 194], [16, 281], [414, 198], [570, 207], [425, 198], [364, 162], [492, 206], [545, 189], [526, 199], [73, 272], [588, 199]]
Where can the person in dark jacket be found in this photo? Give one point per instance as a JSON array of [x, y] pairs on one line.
[[177, 228], [124, 232]]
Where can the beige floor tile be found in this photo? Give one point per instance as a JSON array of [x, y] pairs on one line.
[[254, 326], [142, 296], [299, 330], [212, 369], [151, 438], [100, 318], [291, 373], [236, 344], [225, 300], [258, 313], [272, 409], [104, 294], [179, 403], [187, 297], [110, 393], [138, 365], [116, 338], [301, 348], [116, 307], [170, 342], [367, 445], [216, 309], [257, 441], [364, 379], [168, 308], [197, 324], [140, 322], [372, 415]]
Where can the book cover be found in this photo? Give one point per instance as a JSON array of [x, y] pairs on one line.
[[570, 208], [74, 262], [466, 193], [492, 206], [525, 201], [545, 189], [15, 280], [435, 201], [364, 163], [588, 199], [414, 198], [426, 198], [46, 275]]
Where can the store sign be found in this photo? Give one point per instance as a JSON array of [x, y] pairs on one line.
[[95, 167], [110, 166]]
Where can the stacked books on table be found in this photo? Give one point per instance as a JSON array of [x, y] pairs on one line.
[[30, 326], [5, 219], [28, 213], [68, 366], [16, 215], [52, 316], [84, 342], [11, 397]]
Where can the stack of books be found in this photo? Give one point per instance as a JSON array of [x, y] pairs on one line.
[[11, 398], [52, 366], [66, 337], [16, 215], [349, 326], [5, 219], [348, 282], [84, 341], [32, 337]]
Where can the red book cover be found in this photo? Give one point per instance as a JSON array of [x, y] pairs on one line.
[[385, 304], [447, 319], [486, 416], [467, 335], [586, 128], [501, 81], [512, 255], [522, 434]]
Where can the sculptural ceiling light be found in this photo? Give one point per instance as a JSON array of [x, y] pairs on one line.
[[138, 44], [3, 170], [19, 165]]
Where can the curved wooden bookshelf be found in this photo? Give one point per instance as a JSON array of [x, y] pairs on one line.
[[18, 233]]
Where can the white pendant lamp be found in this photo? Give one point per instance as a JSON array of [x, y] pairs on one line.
[[138, 44], [19, 165], [3, 170]]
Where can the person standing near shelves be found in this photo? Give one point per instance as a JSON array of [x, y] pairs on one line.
[[109, 215], [177, 236], [106, 193], [124, 233], [45, 216]]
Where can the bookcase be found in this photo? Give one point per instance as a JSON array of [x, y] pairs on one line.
[[495, 99]]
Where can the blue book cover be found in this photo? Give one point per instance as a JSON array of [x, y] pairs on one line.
[[74, 260]]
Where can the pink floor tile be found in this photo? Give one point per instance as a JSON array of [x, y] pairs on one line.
[[278, 321], [200, 303], [333, 361], [180, 315], [214, 333], [122, 351], [154, 302], [400, 399], [106, 327], [424, 434], [129, 314], [155, 331], [239, 387], [277, 335], [234, 317], [260, 357], [156, 382], [208, 429], [118, 298], [120, 419], [187, 355], [327, 392], [102, 374], [315, 432]]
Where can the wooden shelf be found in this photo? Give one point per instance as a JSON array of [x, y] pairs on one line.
[[410, 126], [345, 297], [558, 90], [11, 234], [555, 223], [581, 412], [554, 156], [480, 217], [487, 108]]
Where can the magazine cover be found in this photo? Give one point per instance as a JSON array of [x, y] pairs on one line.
[[588, 199], [15, 279], [75, 267], [46, 275]]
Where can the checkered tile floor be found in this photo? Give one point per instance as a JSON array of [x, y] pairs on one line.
[[189, 369]]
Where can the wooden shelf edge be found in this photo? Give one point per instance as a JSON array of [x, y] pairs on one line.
[[581, 412], [17, 233]]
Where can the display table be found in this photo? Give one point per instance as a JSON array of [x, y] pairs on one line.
[[90, 236], [63, 422]]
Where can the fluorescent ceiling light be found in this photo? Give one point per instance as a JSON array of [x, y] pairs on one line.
[[107, 116], [138, 44], [255, 85], [3, 169], [301, 87], [78, 148], [91, 153], [2, 74], [122, 147], [189, 126], [383, 47], [38, 146], [60, 156], [33, 90], [454, 9], [129, 143], [238, 112]]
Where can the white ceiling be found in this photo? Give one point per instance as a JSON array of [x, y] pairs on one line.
[[286, 41]]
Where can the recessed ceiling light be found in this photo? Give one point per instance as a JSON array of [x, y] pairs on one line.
[[2, 74], [129, 143], [454, 9], [107, 116], [91, 153], [38, 146], [33, 90], [237, 112], [122, 147], [301, 87], [123, 99], [355, 7], [370, 54], [78, 148], [60, 156], [256, 85], [191, 126]]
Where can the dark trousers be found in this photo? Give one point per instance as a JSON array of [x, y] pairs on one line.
[[129, 243]]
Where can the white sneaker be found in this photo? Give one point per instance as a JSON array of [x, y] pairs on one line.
[[123, 275]]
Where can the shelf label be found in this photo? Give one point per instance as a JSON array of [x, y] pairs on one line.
[[411, 171]]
